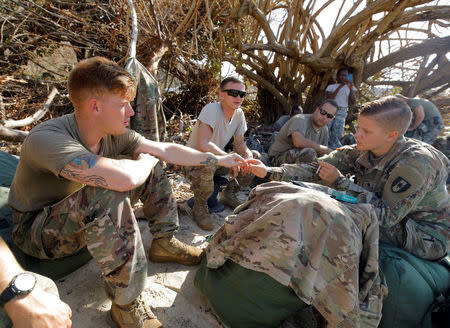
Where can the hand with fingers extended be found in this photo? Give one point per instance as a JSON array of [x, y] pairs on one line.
[[231, 160], [328, 173], [257, 167]]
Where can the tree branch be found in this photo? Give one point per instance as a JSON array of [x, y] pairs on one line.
[[35, 117], [12, 135], [425, 48]]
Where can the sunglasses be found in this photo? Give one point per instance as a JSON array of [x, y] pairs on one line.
[[235, 93], [325, 113]]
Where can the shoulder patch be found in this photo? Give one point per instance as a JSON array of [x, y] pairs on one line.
[[400, 185]]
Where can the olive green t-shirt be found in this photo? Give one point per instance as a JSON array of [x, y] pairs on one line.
[[301, 123], [429, 109], [46, 150]]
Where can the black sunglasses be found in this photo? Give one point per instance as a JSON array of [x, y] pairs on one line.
[[235, 93], [325, 113]]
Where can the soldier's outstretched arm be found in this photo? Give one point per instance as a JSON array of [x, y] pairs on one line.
[[286, 172], [182, 155]]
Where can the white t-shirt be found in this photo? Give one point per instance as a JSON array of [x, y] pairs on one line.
[[223, 129], [342, 96]]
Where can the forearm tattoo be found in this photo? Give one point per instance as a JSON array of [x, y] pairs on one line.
[[74, 170], [210, 161]]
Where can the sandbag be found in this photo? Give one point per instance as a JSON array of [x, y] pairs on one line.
[[243, 298], [413, 286]]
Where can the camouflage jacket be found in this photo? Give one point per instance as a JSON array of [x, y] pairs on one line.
[[406, 188], [326, 251]]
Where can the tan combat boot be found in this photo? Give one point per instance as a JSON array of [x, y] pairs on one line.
[[201, 215], [137, 314], [170, 249], [228, 197]]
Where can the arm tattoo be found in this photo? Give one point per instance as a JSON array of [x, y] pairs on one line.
[[84, 161], [210, 161], [83, 178], [74, 170]]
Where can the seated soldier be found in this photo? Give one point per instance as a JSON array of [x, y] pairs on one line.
[[28, 300], [402, 178], [296, 240], [70, 189], [215, 126], [304, 136], [283, 119], [426, 123]]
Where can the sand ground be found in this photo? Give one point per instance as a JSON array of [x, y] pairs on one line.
[[170, 288]]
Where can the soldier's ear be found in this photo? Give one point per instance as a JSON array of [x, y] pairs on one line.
[[93, 105], [392, 136]]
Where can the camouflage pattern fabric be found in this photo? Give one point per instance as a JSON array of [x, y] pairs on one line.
[[336, 128], [201, 178], [295, 156], [149, 120], [44, 283], [427, 131], [326, 251], [407, 188], [104, 221]]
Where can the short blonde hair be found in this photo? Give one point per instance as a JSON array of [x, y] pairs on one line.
[[391, 112], [96, 76]]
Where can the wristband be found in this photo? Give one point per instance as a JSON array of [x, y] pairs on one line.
[[338, 181], [269, 173]]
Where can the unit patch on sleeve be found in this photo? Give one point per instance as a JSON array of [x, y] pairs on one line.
[[400, 185]]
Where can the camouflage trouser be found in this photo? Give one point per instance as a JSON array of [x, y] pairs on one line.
[[201, 177], [104, 221], [295, 156], [336, 128], [427, 131], [44, 283], [411, 237]]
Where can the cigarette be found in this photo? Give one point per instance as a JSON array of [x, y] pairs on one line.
[[318, 169]]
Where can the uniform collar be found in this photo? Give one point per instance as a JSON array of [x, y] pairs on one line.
[[369, 161]]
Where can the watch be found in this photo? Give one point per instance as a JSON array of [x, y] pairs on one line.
[[22, 284]]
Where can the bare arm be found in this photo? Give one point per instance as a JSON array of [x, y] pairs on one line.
[[113, 174], [182, 155], [299, 141], [419, 115], [332, 95], [352, 95], [204, 142], [241, 148], [37, 309]]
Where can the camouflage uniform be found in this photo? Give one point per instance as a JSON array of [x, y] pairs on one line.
[[295, 156], [406, 188], [326, 251], [103, 220]]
